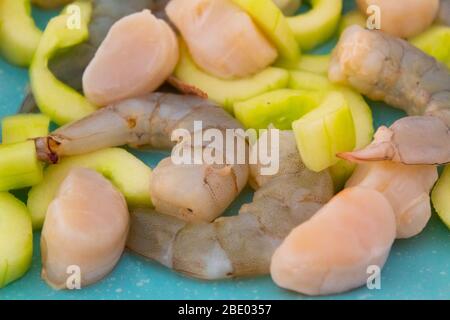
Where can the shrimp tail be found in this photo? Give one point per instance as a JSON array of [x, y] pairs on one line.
[[411, 140], [240, 245]]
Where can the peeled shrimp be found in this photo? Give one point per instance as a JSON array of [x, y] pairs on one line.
[[403, 18], [222, 39], [331, 253], [407, 188], [191, 191], [82, 231], [139, 53], [390, 69], [69, 66], [240, 245]]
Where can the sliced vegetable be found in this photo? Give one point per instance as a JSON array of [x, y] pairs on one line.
[[275, 26], [324, 132], [317, 25], [16, 239], [19, 36], [19, 166], [352, 18], [441, 196], [436, 42], [340, 173], [227, 92], [50, 4], [361, 112], [304, 80], [314, 63], [22, 127], [125, 171], [279, 108], [57, 100]]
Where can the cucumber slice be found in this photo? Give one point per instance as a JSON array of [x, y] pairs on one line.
[[303, 80], [279, 108], [275, 26], [435, 42], [16, 239], [441, 196], [55, 99], [317, 25], [324, 132], [19, 36], [19, 166], [227, 92], [126, 172], [22, 127], [314, 63]]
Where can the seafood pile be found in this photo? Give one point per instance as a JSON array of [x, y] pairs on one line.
[[226, 87]]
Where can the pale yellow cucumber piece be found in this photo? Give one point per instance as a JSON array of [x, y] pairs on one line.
[[278, 108], [22, 127], [54, 98], [304, 80], [314, 63], [361, 112], [275, 26], [351, 18], [324, 132], [19, 36], [340, 173], [19, 166], [129, 174], [318, 24], [16, 239], [441, 196], [435, 42], [227, 92]]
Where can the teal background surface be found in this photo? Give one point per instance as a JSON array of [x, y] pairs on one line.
[[417, 268]]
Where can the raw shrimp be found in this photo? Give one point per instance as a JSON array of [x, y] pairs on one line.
[[240, 245], [444, 12], [221, 37], [407, 188], [390, 69], [204, 191], [69, 66], [332, 252], [83, 231], [403, 18], [144, 53]]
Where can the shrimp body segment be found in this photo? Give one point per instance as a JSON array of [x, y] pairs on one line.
[[240, 245], [406, 187], [331, 253], [190, 191], [390, 69]]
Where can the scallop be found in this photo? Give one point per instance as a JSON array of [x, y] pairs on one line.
[[332, 252], [85, 229], [222, 39], [403, 18], [138, 54]]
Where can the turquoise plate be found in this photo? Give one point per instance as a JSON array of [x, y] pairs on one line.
[[417, 268]]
